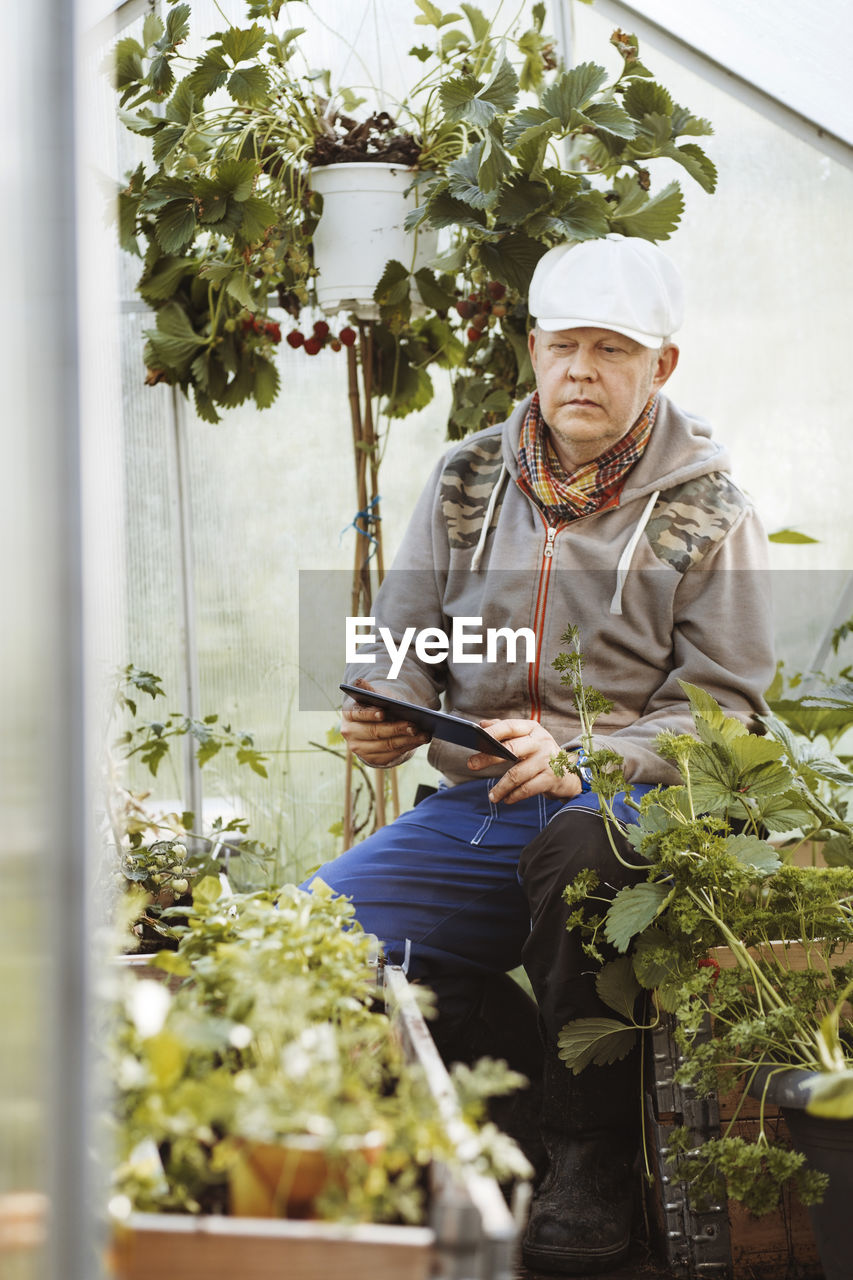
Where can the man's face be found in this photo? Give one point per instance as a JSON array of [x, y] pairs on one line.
[[593, 385]]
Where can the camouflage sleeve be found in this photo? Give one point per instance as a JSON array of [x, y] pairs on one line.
[[722, 642]]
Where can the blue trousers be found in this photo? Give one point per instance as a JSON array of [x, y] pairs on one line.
[[441, 888]]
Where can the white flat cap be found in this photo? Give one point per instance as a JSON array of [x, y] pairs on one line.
[[621, 283]]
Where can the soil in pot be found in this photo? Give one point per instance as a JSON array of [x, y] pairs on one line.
[[376, 139]]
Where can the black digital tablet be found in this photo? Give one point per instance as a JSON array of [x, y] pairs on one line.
[[438, 724]]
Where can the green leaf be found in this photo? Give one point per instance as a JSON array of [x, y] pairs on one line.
[[174, 339], [616, 984], [394, 285], [254, 759], [645, 97], [633, 910], [529, 125], [791, 537], [749, 851], [210, 74], [518, 200], [479, 22], [165, 141], [161, 280], [179, 108], [177, 24], [512, 259], [237, 177], [685, 123], [249, 84], [495, 165], [573, 89], [128, 68], [266, 387], [585, 217], [241, 44], [175, 225], [171, 962], [649, 969], [258, 216], [464, 179], [152, 29], [594, 1040], [610, 117], [658, 217], [501, 89], [206, 751], [160, 75], [445, 211], [782, 812], [706, 711], [695, 161], [812, 720], [838, 851], [433, 294], [461, 102], [207, 891], [433, 16], [238, 288], [127, 208]]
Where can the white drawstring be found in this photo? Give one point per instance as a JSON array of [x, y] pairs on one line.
[[628, 554], [487, 520]]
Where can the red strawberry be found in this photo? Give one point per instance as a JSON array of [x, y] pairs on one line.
[[273, 331], [348, 336], [321, 330], [474, 335], [313, 346], [496, 290], [480, 320], [466, 309], [295, 339]]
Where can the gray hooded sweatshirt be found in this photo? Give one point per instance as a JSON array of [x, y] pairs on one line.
[[671, 584]]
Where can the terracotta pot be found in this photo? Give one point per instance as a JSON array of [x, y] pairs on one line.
[[282, 1180]]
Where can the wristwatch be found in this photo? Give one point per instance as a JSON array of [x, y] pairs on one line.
[[583, 772]]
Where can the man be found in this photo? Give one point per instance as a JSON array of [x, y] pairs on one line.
[[598, 504]]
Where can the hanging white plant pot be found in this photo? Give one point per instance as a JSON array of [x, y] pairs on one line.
[[361, 230]]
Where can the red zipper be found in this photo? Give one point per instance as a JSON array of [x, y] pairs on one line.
[[551, 532]]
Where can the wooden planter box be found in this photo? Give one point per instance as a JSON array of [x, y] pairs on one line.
[[471, 1233]]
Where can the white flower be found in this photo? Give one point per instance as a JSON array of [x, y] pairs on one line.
[[148, 1005], [240, 1036]]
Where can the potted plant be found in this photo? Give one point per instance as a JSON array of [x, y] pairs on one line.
[[710, 932], [230, 214], [155, 856], [272, 1083]]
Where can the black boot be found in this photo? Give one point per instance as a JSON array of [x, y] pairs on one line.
[[492, 1016], [580, 1218]]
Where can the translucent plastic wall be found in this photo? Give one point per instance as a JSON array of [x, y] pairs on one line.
[[267, 494], [768, 265]]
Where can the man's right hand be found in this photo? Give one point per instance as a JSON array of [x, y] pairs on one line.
[[375, 740]]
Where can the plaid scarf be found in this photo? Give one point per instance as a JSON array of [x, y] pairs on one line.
[[595, 485]]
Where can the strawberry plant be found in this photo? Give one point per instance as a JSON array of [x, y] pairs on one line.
[[223, 214], [713, 879]]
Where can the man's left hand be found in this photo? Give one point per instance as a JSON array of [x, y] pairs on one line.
[[533, 774]]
